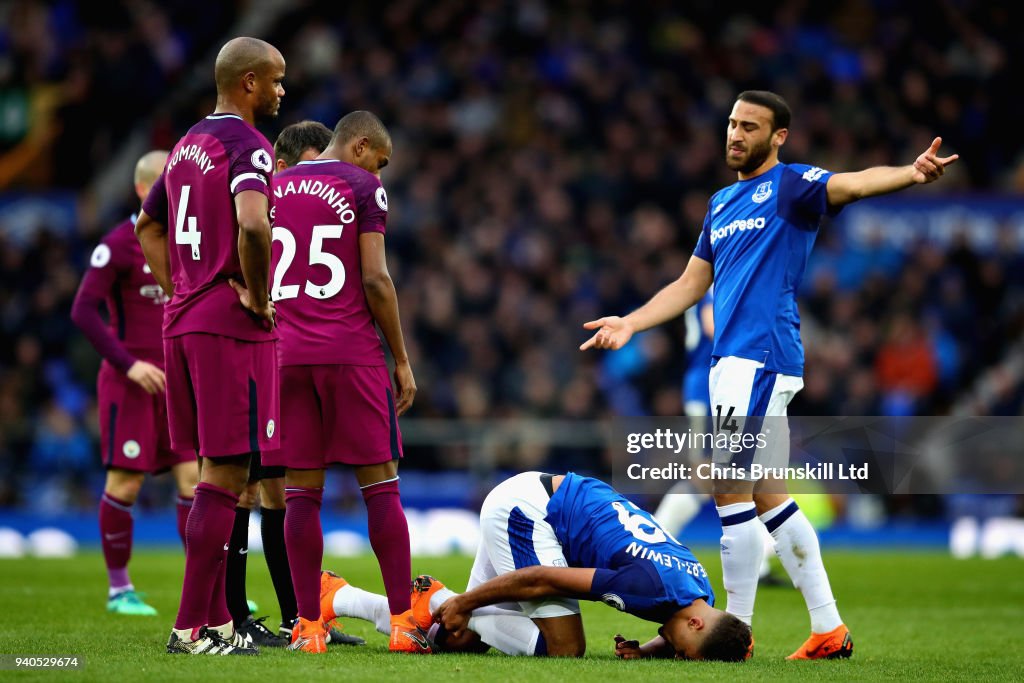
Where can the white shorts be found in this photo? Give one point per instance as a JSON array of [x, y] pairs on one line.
[[514, 535], [742, 389]]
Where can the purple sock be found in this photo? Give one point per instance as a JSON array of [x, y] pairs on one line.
[[184, 507], [116, 537], [304, 540], [207, 534], [389, 538]]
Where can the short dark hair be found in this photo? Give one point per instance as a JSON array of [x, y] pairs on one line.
[[728, 641], [781, 113], [298, 137], [360, 124]]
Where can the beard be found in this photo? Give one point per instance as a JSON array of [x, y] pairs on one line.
[[756, 155], [268, 107]]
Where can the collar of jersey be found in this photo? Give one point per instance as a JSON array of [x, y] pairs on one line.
[[224, 116], [318, 161]]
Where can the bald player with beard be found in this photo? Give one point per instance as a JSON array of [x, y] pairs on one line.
[[130, 390], [219, 343]]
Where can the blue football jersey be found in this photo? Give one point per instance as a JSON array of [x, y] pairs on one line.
[[758, 235], [641, 568], [698, 353]]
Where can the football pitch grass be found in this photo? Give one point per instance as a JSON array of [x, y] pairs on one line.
[[914, 616]]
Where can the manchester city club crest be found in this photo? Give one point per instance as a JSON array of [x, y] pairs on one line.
[[763, 192]]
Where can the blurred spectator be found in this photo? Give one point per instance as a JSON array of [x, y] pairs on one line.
[[551, 160]]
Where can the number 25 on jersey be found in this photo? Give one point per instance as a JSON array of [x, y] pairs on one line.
[[317, 256]]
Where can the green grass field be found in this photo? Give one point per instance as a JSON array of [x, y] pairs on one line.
[[914, 616]]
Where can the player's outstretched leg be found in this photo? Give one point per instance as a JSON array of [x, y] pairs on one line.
[[116, 529], [797, 546]]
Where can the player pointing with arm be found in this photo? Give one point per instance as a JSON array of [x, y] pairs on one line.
[[754, 245], [219, 344]]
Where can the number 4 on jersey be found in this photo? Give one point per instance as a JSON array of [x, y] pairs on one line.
[[190, 236]]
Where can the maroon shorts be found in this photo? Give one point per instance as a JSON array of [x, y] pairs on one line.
[[133, 426], [336, 414], [222, 394]]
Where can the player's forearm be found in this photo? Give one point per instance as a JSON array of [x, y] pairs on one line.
[[86, 315], [844, 188], [667, 304], [657, 647], [522, 584], [153, 239], [254, 245], [383, 301]]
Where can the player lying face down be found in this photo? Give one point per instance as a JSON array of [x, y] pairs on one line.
[[548, 541]]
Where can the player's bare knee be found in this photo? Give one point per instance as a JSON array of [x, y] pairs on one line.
[[272, 493], [722, 499], [569, 647], [563, 636], [769, 501], [312, 479], [124, 484], [186, 476], [249, 496], [231, 473], [368, 475]]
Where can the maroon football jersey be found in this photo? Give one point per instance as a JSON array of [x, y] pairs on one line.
[[320, 209], [119, 277], [218, 158]]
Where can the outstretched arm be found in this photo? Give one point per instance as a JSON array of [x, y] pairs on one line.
[[614, 332], [530, 583], [844, 188]]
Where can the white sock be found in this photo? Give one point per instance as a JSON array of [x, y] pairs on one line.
[[742, 551], [796, 544], [111, 592], [438, 598], [226, 630], [350, 601], [512, 633], [678, 508], [769, 553]]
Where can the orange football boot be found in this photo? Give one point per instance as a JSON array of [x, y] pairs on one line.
[[406, 636], [330, 583], [309, 636], [835, 644], [423, 588]]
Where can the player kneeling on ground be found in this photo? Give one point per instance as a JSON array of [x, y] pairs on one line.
[[548, 540]]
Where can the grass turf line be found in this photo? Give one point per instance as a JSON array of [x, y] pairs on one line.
[[914, 616]]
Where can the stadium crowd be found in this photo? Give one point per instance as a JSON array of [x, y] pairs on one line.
[[549, 164]]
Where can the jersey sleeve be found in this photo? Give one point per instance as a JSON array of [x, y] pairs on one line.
[[703, 248], [803, 194], [108, 260], [373, 213], [155, 204], [630, 588], [251, 168]]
